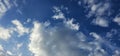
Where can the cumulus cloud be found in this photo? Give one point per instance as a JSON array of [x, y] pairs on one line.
[[36, 38], [117, 20], [1, 48], [5, 33], [52, 41], [70, 24], [61, 40], [98, 9], [19, 27], [100, 22], [58, 13]]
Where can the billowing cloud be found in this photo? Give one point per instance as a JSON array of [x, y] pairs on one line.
[[54, 41], [61, 40], [36, 38]]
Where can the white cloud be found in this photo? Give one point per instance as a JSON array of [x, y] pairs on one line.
[[96, 36], [97, 8], [4, 6], [71, 25], [1, 48], [9, 53], [5, 33], [117, 20], [19, 27], [57, 40], [51, 41], [47, 40], [36, 38], [58, 13], [59, 16], [100, 22]]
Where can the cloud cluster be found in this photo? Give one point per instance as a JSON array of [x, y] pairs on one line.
[[100, 10], [6, 33], [63, 39], [47, 40]]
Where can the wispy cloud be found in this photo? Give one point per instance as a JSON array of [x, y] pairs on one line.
[[19, 27], [5, 6]]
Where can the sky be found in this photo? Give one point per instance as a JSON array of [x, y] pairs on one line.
[[59, 28]]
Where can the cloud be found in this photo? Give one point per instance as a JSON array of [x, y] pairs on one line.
[[5, 6], [58, 13], [117, 20], [36, 38], [97, 8], [3, 52], [116, 53], [5, 33], [19, 27], [100, 22], [50, 42], [9, 53], [1, 48], [70, 24], [61, 40], [100, 10]]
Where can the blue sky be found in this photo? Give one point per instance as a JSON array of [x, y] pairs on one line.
[[59, 28]]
